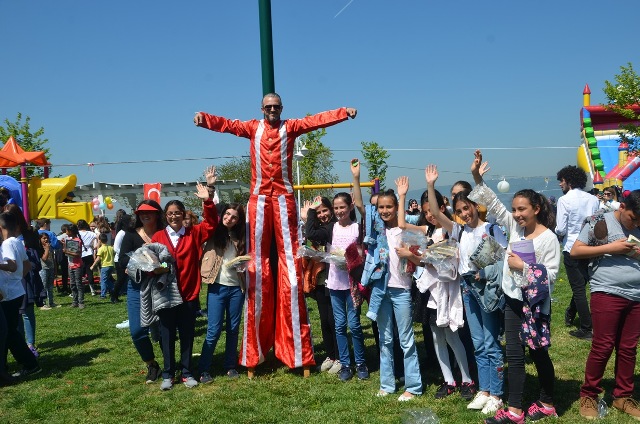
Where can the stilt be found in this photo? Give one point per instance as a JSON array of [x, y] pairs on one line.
[[306, 371], [250, 373]]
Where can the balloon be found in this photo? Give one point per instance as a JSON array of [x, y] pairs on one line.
[[503, 186], [109, 206], [103, 206], [96, 208], [107, 200], [96, 201]]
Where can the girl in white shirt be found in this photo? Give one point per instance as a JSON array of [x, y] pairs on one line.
[[530, 218], [444, 304], [484, 326]]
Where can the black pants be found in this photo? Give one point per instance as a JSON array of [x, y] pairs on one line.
[[576, 274], [515, 357], [63, 267], [327, 323], [87, 261], [15, 341], [183, 319], [121, 282]]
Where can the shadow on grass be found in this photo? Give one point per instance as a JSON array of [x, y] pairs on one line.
[[70, 341], [61, 363]]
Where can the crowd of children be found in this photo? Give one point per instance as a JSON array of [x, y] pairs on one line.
[[479, 271]]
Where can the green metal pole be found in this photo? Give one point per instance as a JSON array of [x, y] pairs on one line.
[[266, 47]]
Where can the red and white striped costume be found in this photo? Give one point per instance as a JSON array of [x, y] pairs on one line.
[[274, 315]]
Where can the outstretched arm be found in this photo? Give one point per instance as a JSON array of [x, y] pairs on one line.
[[220, 124], [357, 191], [431, 175], [297, 127]]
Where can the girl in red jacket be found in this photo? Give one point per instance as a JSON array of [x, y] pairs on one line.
[[185, 245]]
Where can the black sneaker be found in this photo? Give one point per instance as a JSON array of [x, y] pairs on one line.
[[25, 372], [345, 374], [362, 371], [445, 390], [581, 334], [468, 390], [568, 318], [153, 373]]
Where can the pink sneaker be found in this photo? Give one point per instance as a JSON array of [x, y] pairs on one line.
[[503, 416], [538, 411]]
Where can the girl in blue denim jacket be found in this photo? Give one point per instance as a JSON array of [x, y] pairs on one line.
[[395, 302]]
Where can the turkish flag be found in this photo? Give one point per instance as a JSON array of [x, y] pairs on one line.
[[152, 192]]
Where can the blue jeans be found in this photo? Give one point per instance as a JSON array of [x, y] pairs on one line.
[[139, 335], [220, 300], [343, 313], [106, 281], [485, 329], [47, 275], [397, 302], [28, 329]]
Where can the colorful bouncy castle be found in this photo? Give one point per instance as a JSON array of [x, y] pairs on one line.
[[602, 154]]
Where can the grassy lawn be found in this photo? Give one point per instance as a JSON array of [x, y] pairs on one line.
[[92, 374]]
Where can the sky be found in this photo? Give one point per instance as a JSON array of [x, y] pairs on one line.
[[120, 81]]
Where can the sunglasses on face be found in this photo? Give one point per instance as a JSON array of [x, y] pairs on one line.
[[272, 107]]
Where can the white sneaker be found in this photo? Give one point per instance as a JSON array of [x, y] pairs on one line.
[[479, 401], [336, 367], [122, 325], [492, 406], [326, 364]]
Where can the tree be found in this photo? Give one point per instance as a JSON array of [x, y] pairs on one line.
[[622, 94], [375, 156], [29, 141], [237, 169], [317, 165]]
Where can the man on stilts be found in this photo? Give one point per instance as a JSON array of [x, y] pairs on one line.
[[275, 309]]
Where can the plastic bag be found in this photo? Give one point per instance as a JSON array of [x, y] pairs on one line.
[[144, 259], [488, 252], [482, 194], [420, 416], [416, 243], [412, 238], [442, 256], [239, 263], [336, 256]]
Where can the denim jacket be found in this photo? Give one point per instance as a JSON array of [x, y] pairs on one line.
[[376, 265], [488, 290]]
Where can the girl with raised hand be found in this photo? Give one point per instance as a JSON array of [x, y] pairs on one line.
[[318, 229], [484, 325], [345, 232], [527, 286], [225, 292], [444, 301], [391, 290], [185, 245]]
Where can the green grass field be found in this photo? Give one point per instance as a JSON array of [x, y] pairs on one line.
[[92, 374]]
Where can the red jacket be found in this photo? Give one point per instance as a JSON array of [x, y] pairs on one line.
[[272, 148], [188, 250]]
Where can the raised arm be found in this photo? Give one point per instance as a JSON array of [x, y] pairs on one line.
[[357, 191], [402, 185], [431, 175], [205, 229], [478, 168]]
